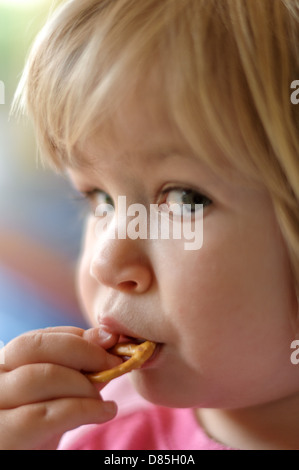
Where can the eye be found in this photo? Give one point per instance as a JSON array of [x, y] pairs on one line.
[[183, 200], [99, 200]]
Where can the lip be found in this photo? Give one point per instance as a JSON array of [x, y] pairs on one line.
[[154, 357], [151, 361], [124, 333], [131, 339]]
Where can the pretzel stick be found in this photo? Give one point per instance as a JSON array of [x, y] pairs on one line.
[[138, 353]]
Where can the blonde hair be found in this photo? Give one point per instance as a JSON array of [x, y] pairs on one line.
[[225, 69]]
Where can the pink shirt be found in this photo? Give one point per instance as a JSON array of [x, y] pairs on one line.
[[140, 426]]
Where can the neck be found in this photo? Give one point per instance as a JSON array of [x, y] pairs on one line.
[[269, 426]]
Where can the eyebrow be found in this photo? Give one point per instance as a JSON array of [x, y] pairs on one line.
[[86, 161]]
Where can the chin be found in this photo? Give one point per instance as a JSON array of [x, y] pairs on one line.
[[159, 392]]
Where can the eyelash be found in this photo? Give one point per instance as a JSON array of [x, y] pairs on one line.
[[89, 196], [205, 200], [84, 200]]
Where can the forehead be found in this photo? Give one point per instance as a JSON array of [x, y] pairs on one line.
[[140, 126], [141, 141], [143, 122]]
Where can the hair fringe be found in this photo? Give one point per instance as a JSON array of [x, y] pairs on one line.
[[225, 70]]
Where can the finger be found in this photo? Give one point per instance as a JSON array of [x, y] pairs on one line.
[[34, 426], [13, 344], [62, 348], [16, 344], [61, 329], [101, 336], [42, 382]]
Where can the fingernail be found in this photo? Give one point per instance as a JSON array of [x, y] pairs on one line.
[[104, 335]]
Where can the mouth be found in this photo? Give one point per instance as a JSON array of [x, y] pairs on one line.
[[138, 356], [130, 339], [152, 358], [123, 339], [124, 335]]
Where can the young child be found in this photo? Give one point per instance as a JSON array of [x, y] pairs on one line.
[[164, 102]]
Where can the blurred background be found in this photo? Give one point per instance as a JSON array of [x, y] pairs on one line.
[[40, 219]]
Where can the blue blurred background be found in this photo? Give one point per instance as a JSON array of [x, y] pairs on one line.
[[40, 221]]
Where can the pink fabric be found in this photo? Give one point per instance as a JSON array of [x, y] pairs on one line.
[[141, 426]]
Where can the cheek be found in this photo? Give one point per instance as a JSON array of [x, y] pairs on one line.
[[230, 296], [84, 288], [86, 285]]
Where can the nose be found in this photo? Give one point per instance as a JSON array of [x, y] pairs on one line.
[[123, 265]]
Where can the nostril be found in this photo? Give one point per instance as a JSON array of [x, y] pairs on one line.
[[128, 285], [125, 275]]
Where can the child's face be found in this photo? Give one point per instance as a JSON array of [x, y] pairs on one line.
[[223, 314]]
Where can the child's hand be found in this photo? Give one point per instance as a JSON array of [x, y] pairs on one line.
[[43, 392]]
